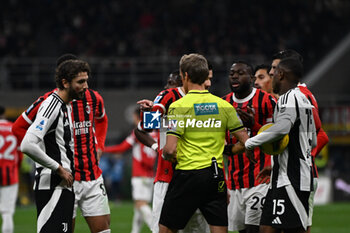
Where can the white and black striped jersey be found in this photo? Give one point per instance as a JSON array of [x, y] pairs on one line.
[[53, 125], [293, 165]]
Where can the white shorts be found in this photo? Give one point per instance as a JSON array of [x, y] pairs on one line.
[[142, 188], [311, 202], [197, 223], [8, 197], [91, 197], [245, 207], [160, 189]]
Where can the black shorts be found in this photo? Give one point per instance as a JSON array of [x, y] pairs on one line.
[[192, 190], [286, 208], [54, 210]]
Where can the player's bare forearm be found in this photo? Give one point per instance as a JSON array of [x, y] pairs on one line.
[[238, 148], [233, 149], [144, 137], [241, 135], [169, 150]]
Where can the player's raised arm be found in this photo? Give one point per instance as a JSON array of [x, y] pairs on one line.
[[145, 138]]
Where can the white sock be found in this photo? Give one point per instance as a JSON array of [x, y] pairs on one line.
[[105, 231], [146, 212], [136, 221], [7, 223]]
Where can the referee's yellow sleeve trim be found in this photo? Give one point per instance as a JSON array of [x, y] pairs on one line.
[[173, 133], [236, 129]]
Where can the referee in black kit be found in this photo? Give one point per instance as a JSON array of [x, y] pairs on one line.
[[197, 143]]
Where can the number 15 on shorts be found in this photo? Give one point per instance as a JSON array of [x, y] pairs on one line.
[[278, 206]]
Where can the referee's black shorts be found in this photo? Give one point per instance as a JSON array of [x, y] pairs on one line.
[[193, 189]]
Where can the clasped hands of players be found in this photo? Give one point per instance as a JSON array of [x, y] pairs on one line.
[[239, 148], [65, 175]]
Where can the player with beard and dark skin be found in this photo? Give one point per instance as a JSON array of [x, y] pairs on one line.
[[255, 108]]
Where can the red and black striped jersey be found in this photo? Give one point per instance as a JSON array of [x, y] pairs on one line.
[[322, 138], [165, 98], [84, 113], [161, 103], [10, 157], [239, 171], [90, 128]]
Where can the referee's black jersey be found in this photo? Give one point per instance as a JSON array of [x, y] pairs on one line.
[[53, 125], [293, 166]]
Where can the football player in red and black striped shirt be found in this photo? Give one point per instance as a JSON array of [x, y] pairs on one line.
[[90, 127], [10, 160], [255, 108]]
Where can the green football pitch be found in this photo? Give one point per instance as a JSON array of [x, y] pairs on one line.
[[327, 219]]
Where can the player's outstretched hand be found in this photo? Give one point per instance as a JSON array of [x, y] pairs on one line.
[[145, 105], [264, 175], [247, 117], [65, 175], [250, 156]]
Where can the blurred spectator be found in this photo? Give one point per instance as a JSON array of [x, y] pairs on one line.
[[118, 28]]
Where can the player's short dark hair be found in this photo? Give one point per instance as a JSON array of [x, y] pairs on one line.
[[292, 65], [69, 70], [65, 57], [287, 53], [196, 67], [262, 67], [250, 70], [174, 80], [2, 110], [210, 66]]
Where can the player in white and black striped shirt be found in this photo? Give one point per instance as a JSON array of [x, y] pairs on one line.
[[49, 142], [286, 206]]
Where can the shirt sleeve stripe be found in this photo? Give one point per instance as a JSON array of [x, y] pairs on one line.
[[236, 129], [173, 133], [26, 118]]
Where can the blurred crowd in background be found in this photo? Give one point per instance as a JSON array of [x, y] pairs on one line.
[[170, 28]]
